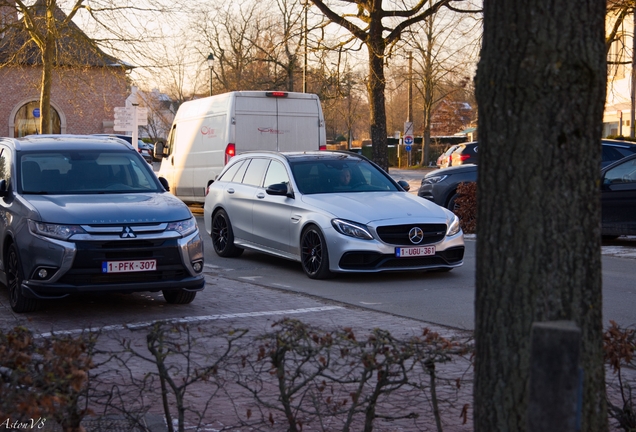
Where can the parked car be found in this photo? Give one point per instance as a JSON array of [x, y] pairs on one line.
[[144, 149], [87, 214], [300, 206], [618, 198], [614, 150], [444, 159], [440, 186], [464, 154]]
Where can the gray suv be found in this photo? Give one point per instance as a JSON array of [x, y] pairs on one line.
[[86, 214]]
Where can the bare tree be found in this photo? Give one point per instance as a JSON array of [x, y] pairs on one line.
[[368, 26], [445, 46], [541, 91]]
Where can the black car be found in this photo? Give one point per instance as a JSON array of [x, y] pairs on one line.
[[614, 150], [144, 149], [440, 186], [464, 154], [618, 198]]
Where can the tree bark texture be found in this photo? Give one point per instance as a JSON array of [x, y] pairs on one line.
[[540, 92], [376, 86]]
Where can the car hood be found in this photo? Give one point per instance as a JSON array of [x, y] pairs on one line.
[[109, 208], [370, 207]]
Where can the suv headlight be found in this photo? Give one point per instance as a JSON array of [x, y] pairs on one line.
[[453, 227], [183, 227], [352, 229], [56, 231], [433, 179]]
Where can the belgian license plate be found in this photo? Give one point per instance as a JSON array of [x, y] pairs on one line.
[[406, 252], [129, 266]]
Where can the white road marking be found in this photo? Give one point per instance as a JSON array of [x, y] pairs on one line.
[[194, 320], [250, 278], [281, 285], [369, 304]]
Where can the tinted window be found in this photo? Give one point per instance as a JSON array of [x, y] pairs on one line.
[[338, 176], [255, 171], [229, 174], [71, 172], [623, 173], [611, 154], [276, 173]]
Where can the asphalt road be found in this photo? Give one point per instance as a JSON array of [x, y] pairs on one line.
[[439, 298]]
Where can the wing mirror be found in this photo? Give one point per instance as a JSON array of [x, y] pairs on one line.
[[279, 189], [404, 185]]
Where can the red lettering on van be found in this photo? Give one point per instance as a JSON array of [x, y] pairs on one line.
[[208, 131]]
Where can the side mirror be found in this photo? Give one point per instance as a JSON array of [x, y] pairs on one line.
[[404, 185], [164, 183], [158, 152], [279, 189], [3, 188]]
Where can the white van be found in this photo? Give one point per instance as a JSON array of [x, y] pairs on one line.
[[207, 132]]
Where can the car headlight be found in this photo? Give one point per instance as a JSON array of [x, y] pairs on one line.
[[352, 229], [56, 231], [433, 179], [183, 227], [453, 227]]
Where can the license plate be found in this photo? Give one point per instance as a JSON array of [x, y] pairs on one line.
[[129, 266], [406, 252]]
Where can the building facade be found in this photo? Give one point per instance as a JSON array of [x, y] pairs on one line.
[[87, 84]]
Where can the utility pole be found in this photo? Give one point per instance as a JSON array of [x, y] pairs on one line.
[[632, 115]]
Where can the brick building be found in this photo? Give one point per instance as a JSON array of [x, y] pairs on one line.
[[86, 83]]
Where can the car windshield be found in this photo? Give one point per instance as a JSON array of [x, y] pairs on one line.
[[86, 171], [338, 176]]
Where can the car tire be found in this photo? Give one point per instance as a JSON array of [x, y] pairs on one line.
[[179, 296], [314, 255], [19, 303], [451, 202], [223, 236]]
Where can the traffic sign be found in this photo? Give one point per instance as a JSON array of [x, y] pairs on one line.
[[408, 148], [408, 140], [125, 118]]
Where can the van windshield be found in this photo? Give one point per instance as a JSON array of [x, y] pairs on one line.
[[84, 172]]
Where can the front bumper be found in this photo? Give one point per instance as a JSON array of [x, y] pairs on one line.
[[76, 267], [350, 255]]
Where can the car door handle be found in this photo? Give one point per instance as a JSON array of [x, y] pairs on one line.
[[260, 195], [230, 191]]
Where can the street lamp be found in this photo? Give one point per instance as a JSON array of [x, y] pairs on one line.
[[211, 66]]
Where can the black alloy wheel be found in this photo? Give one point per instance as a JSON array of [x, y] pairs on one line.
[[313, 253], [223, 237], [19, 303]]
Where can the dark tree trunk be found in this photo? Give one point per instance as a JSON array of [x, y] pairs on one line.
[[540, 92], [376, 87]]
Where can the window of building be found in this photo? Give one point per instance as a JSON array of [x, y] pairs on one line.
[[27, 120]]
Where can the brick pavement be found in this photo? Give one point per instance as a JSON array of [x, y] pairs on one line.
[[246, 305]]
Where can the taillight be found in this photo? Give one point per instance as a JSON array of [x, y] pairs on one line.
[[230, 152], [463, 157], [276, 94], [322, 147]]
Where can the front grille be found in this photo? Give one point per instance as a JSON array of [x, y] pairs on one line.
[[399, 234], [376, 261], [87, 266]]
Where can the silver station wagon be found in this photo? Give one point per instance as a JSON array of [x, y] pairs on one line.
[[86, 214], [332, 211]]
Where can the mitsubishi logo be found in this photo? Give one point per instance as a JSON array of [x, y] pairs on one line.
[[128, 233], [416, 235]]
